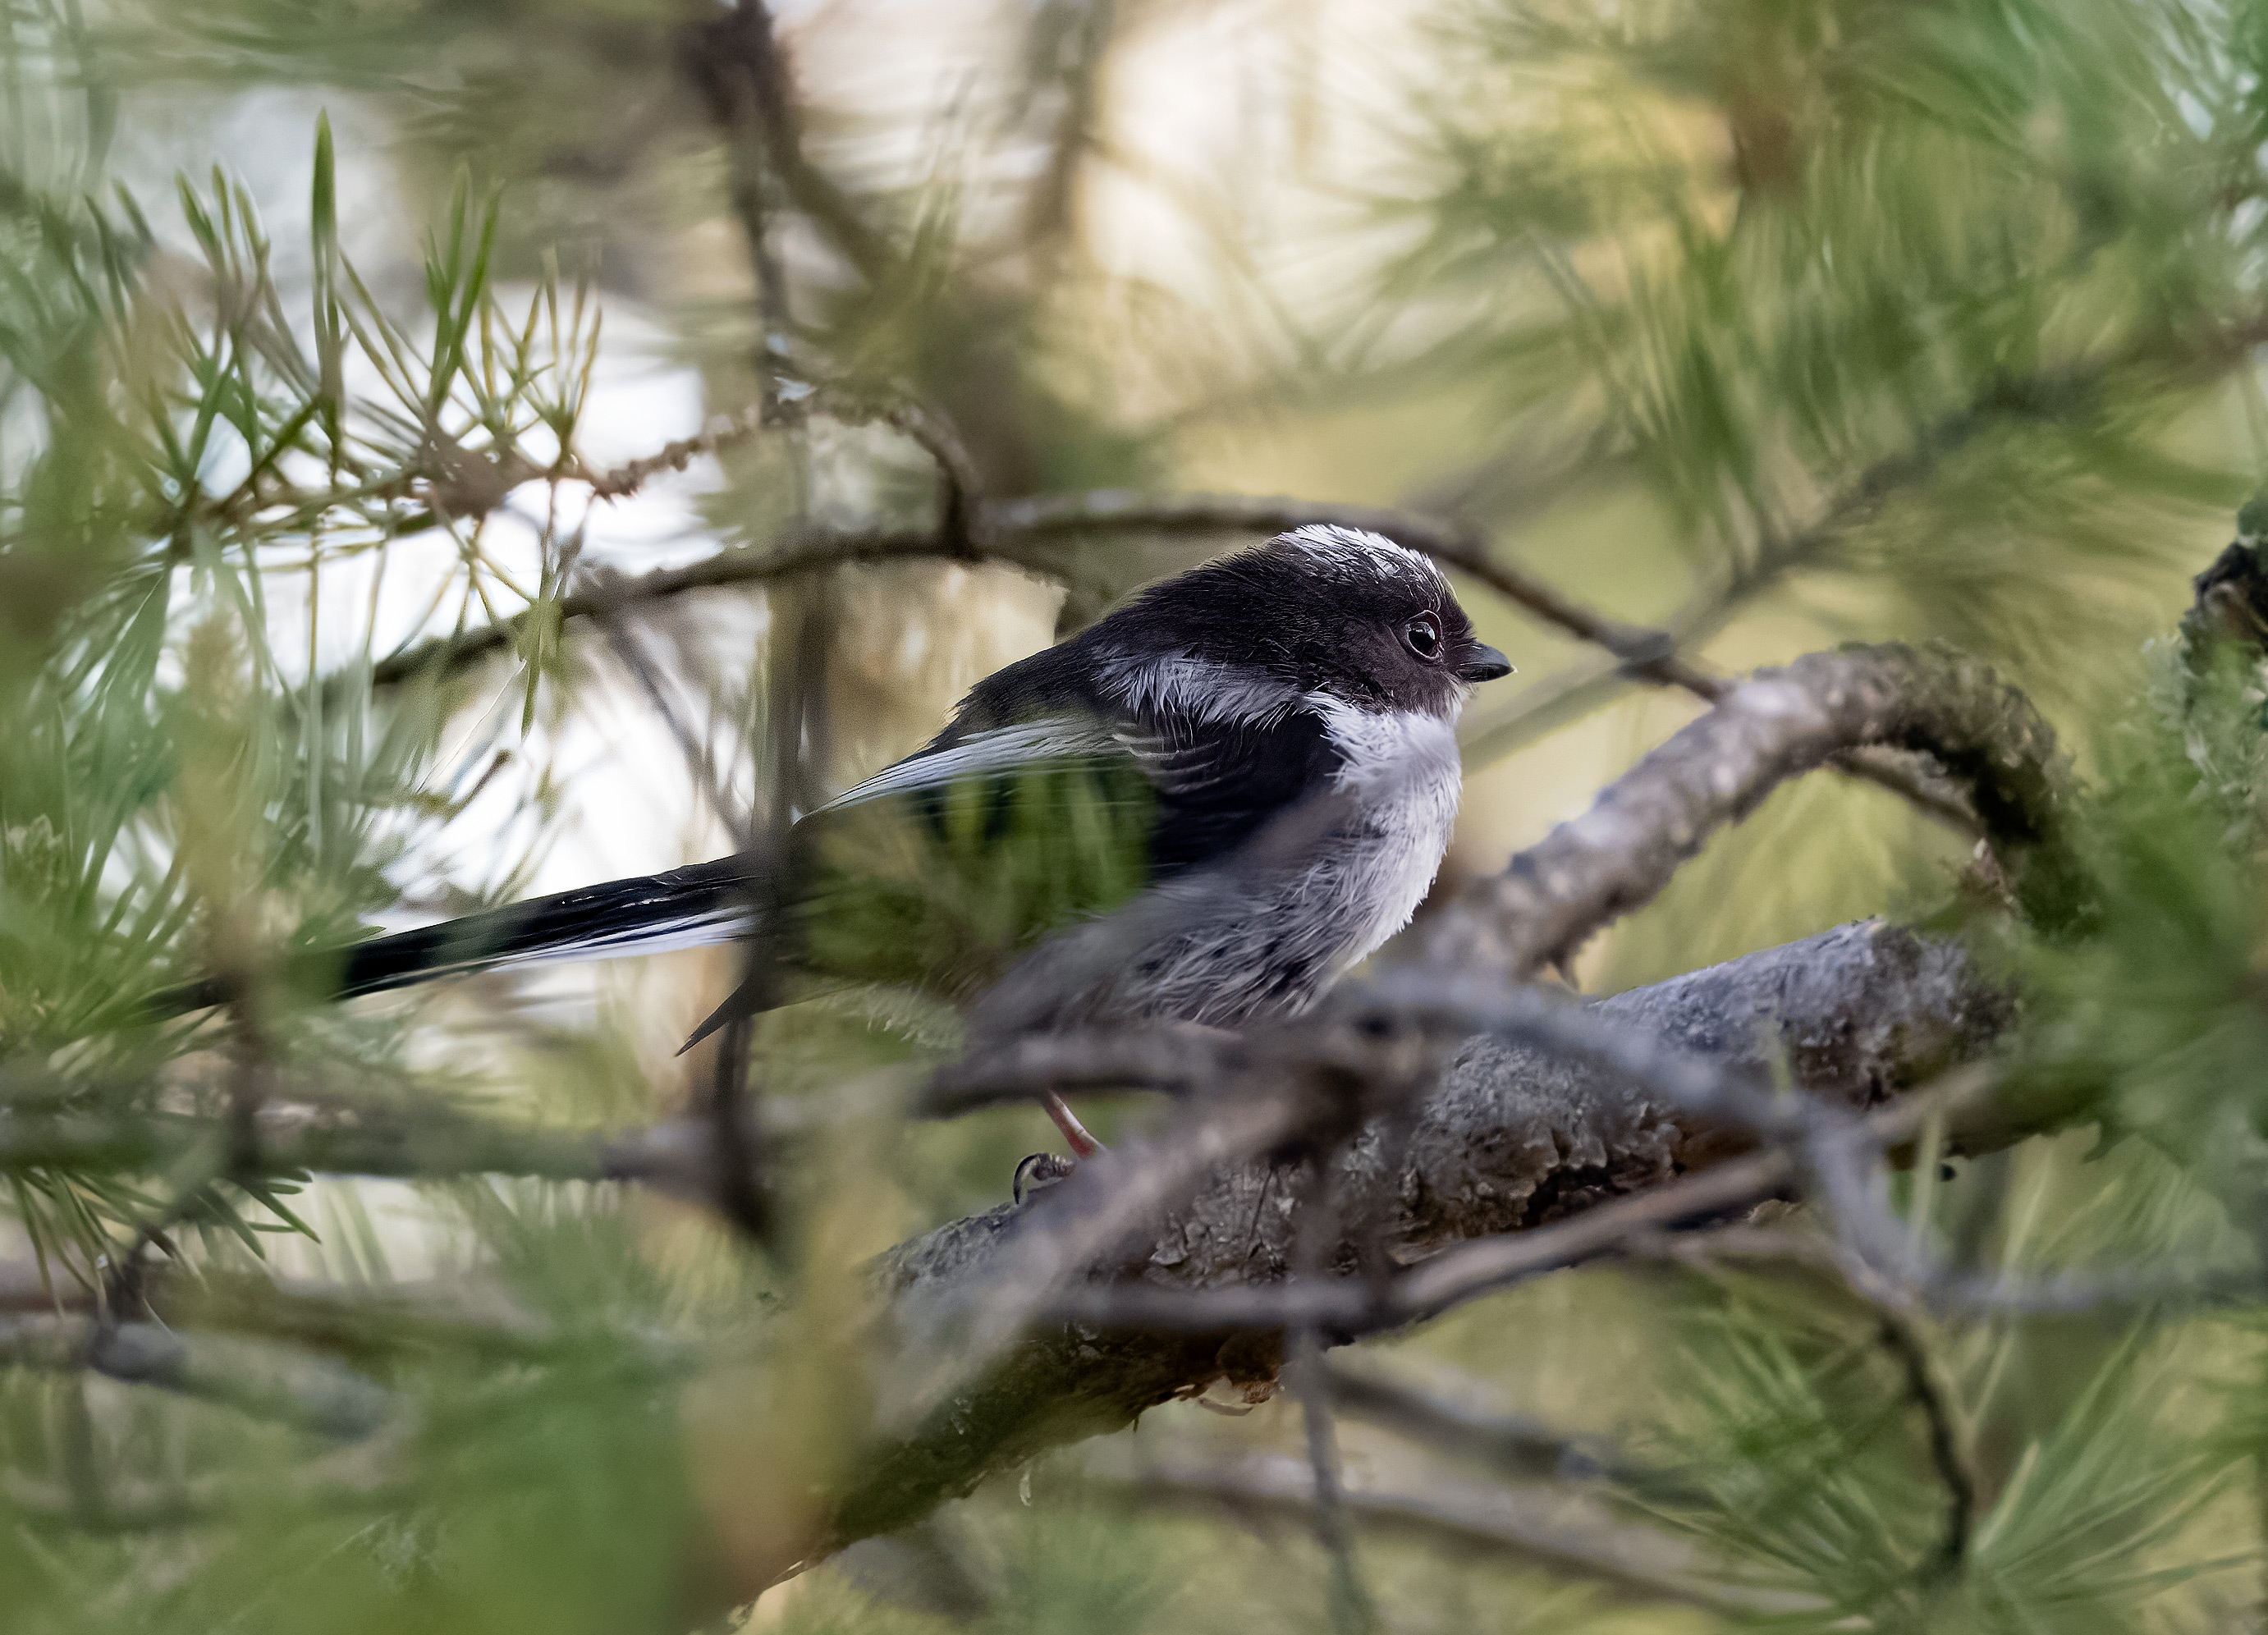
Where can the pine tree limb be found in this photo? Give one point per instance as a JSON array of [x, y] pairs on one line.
[[1773, 726], [266, 1381], [1522, 1150]]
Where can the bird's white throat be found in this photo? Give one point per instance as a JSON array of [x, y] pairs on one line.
[[1403, 772]]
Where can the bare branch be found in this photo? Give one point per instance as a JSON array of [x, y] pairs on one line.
[[1905, 1343], [1352, 1611], [1519, 1449], [623, 481], [739, 566], [1631, 1563], [739, 61], [963, 528], [267, 1381], [425, 1140], [2066, 394], [1012, 532], [1773, 726]]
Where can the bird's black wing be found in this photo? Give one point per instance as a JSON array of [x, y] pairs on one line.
[[1218, 784], [939, 872]]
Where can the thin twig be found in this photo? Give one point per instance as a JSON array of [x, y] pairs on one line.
[[721, 433], [1517, 1448], [1352, 1611], [1897, 1330], [267, 1381], [1009, 531], [2057, 394], [742, 51], [1628, 1562], [743, 1194], [1906, 1346]]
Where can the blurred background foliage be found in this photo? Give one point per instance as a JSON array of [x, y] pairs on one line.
[[1771, 323]]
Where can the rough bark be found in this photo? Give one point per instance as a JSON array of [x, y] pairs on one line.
[[1512, 1139]]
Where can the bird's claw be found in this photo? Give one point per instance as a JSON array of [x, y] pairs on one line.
[[1038, 1172]]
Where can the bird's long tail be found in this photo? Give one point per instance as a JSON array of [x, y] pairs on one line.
[[692, 907]]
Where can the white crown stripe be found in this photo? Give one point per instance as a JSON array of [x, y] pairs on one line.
[[1330, 544]]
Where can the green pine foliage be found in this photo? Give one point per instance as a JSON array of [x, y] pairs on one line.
[[1772, 324]]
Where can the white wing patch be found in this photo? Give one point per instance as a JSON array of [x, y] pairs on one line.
[[689, 930], [1055, 737], [1199, 689]]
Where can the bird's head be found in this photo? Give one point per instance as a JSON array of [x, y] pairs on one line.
[[1320, 612]]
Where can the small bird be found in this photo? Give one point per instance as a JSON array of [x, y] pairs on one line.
[[1207, 806]]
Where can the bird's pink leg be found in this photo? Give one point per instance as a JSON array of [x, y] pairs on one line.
[[1082, 1143]]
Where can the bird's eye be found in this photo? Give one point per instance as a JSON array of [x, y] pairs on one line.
[[1423, 635]]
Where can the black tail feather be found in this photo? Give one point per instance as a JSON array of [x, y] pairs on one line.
[[703, 902]]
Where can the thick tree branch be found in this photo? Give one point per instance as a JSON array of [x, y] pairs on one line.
[[1773, 726], [1515, 1138]]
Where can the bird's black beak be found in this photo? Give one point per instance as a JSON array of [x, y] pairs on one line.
[[1484, 664]]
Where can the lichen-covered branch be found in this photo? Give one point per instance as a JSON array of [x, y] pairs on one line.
[[1513, 1140]]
